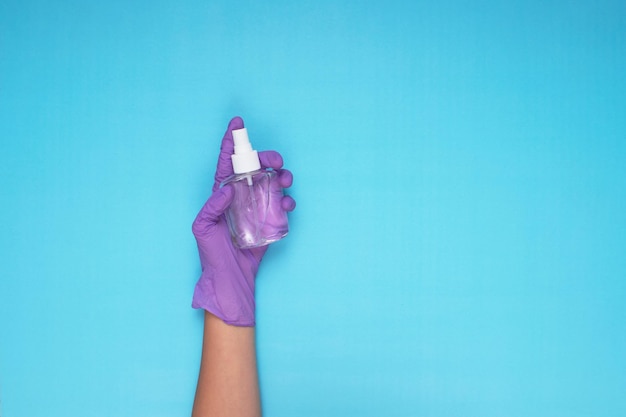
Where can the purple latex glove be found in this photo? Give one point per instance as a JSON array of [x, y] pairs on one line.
[[226, 286]]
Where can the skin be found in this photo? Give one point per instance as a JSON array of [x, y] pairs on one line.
[[228, 384]]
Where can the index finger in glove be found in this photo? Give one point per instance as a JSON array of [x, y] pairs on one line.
[[271, 159], [224, 162]]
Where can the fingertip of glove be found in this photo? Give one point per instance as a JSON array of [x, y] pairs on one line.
[[235, 123], [271, 159], [288, 203]]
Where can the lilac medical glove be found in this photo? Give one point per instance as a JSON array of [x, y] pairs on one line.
[[226, 286]]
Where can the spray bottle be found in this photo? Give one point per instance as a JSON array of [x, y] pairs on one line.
[[255, 216]]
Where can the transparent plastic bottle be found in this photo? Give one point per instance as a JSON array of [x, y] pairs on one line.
[[255, 217]]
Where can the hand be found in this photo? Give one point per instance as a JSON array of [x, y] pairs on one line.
[[226, 286]]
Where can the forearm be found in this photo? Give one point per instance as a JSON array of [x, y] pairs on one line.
[[228, 382]]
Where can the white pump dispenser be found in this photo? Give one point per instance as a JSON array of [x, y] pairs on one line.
[[245, 159]]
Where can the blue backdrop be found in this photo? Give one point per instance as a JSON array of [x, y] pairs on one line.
[[459, 243]]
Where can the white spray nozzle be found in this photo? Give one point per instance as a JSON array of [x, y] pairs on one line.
[[245, 159]]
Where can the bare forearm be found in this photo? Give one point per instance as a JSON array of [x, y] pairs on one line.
[[228, 382]]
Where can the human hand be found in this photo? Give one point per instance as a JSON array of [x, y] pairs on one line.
[[226, 286]]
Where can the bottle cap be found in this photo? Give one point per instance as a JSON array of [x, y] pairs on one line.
[[245, 159]]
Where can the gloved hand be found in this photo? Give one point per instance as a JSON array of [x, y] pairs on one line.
[[226, 286]]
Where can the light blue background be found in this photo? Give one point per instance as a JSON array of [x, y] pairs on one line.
[[460, 171]]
